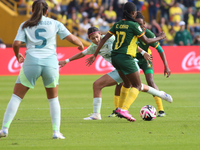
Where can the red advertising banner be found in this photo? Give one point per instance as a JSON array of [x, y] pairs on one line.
[[181, 59]]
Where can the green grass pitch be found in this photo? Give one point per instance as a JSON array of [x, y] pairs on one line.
[[31, 127]]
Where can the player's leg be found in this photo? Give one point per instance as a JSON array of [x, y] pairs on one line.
[[24, 81], [50, 77], [158, 100], [98, 85]]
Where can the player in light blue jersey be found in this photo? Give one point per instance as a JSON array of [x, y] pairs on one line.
[[109, 79], [39, 33]]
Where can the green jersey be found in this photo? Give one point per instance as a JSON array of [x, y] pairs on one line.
[[126, 37], [144, 46]]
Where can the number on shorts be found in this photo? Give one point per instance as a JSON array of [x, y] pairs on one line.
[[37, 36]]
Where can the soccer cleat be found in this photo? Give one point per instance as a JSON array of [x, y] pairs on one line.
[[166, 97], [58, 135], [126, 115], [3, 133], [112, 115], [116, 111], [94, 116], [161, 114]]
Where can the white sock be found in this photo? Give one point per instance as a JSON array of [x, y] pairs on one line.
[[154, 91], [11, 111], [97, 104], [55, 113]]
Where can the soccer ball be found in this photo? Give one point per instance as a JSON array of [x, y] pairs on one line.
[[148, 113]]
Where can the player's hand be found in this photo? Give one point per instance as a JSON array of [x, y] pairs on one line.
[[20, 58], [162, 35], [167, 72], [90, 60], [62, 63], [147, 57], [81, 47]]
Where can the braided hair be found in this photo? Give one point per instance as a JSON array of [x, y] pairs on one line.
[[127, 9], [139, 15]]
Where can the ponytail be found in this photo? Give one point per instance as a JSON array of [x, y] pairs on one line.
[[39, 8]]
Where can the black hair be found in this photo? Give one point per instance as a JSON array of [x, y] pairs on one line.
[[91, 30], [127, 9], [139, 15], [39, 8]]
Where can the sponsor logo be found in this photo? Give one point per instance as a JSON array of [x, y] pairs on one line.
[[191, 61], [103, 65]]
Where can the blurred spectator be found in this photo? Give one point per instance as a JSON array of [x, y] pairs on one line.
[[72, 23], [188, 3], [176, 27], [197, 5], [175, 12], [2, 45], [156, 29], [153, 4], [110, 15], [138, 4], [196, 40], [165, 5], [107, 3], [118, 7], [183, 37], [189, 18], [62, 17], [90, 10], [101, 11], [64, 5], [73, 5], [104, 27], [167, 29], [83, 27], [96, 21]]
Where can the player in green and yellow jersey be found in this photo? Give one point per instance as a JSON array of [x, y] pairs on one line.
[[127, 32], [148, 68]]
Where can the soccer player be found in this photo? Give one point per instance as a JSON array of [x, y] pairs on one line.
[[39, 34], [147, 68], [109, 79], [127, 32]]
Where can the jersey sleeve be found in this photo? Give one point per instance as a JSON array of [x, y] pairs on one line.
[[62, 31], [21, 36], [150, 34], [112, 30], [137, 30], [89, 50]]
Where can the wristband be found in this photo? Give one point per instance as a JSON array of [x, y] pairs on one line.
[[142, 52], [67, 60]]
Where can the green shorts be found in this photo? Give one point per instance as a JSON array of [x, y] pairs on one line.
[[29, 74], [124, 63], [144, 66]]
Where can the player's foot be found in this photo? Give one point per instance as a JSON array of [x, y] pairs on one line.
[[58, 135], [3, 133], [126, 115], [161, 114], [116, 111], [112, 115], [94, 116], [166, 97]]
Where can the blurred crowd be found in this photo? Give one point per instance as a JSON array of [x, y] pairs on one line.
[[179, 19]]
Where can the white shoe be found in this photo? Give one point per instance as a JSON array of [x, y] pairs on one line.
[[3, 133], [94, 116], [58, 135], [166, 97]]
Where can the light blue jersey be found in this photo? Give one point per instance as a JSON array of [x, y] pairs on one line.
[[105, 51], [40, 56], [41, 39]]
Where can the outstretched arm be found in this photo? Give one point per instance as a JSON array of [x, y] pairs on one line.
[[152, 40], [74, 40], [76, 56]]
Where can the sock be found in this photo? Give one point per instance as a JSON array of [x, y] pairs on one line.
[[97, 104], [159, 103], [11, 111], [153, 91], [116, 101], [123, 95], [55, 113], [133, 93]]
